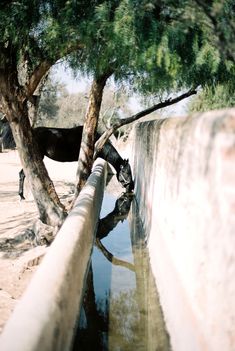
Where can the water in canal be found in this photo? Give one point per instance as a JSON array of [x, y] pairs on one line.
[[121, 310]]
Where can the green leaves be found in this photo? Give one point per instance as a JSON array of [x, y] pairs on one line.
[[151, 45], [208, 56], [214, 97]]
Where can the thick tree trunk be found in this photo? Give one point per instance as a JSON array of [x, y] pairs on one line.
[[51, 211], [14, 98], [15, 94], [85, 161]]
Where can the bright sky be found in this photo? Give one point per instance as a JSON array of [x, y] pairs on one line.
[[65, 75]]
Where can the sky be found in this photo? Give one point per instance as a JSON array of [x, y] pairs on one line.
[[65, 75]]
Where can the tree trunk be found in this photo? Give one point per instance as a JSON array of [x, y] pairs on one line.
[[33, 109], [51, 211], [85, 161], [14, 100]]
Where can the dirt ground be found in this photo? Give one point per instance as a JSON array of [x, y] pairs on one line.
[[19, 255]]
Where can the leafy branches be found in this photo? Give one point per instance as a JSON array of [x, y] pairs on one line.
[[223, 29]]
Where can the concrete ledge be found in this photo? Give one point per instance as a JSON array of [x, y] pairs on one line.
[[184, 171], [45, 317]]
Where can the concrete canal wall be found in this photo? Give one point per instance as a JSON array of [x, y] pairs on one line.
[[184, 171], [45, 317]]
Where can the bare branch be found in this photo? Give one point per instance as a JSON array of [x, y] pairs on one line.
[[121, 122]]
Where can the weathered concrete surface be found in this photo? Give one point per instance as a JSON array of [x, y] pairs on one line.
[[45, 317], [184, 172]]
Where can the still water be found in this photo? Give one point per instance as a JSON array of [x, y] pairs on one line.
[[121, 310]]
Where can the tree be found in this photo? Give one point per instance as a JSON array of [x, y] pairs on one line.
[[214, 47], [72, 109], [27, 51], [221, 17], [153, 47], [106, 135]]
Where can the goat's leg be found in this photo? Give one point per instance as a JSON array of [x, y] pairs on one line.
[[21, 184]]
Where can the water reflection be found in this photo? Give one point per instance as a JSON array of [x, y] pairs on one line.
[[121, 309], [108, 223]]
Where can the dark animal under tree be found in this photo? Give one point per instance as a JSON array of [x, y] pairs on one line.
[[63, 145]]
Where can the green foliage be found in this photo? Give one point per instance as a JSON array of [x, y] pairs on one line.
[[41, 29], [184, 52], [153, 47], [214, 97], [107, 39]]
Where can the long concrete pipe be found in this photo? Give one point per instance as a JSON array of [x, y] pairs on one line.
[[45, 317]]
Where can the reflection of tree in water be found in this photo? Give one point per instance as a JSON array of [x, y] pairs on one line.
[[128, 320], [124, 321], [94, 322]]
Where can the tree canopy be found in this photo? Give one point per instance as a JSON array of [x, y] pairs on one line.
[[157, 45], [150, 46]]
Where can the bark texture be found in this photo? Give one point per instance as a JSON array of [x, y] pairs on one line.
[[85, 161], [50, 209], [14, 103]]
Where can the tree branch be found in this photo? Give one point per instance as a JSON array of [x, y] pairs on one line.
[[111, 258], [44, 66], [106, 135], [36, 76]]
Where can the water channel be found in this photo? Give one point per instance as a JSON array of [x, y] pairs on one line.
[[121, 309]]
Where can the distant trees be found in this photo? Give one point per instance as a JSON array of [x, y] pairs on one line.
[[47, 106], [58, 108]]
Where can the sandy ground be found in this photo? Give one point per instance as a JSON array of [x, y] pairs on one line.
[[19, 256]]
